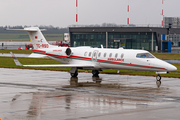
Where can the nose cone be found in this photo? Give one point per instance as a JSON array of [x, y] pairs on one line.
[[168, 67], [171, 68]]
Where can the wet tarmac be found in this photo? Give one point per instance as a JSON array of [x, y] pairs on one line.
[[50, 95]]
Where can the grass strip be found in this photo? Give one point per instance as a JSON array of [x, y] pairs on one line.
[[17, 51], [167, 55]]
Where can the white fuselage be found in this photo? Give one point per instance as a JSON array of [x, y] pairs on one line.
[[125, 59]]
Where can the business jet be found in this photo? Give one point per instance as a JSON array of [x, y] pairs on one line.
[[95, 59]]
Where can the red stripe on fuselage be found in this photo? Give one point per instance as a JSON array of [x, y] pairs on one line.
[[41, 51], [99, 60], [79, 57]]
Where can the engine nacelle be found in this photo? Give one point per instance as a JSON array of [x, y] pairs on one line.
[[62, 51], [68, 52]]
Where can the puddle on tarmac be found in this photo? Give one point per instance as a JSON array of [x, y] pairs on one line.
[[35, 105]]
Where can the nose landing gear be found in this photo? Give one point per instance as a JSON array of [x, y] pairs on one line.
[[158, 80]]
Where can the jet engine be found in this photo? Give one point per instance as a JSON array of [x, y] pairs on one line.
[[68, 52]]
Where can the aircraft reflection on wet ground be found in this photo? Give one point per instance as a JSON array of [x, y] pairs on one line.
[[58, 104], [95, 82], [36, 94]]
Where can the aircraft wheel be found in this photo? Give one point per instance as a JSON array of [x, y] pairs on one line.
[[74, 74], [95, 73], [158, 82], [158, 78]]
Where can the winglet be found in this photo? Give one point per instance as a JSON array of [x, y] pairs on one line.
[[16, 60]]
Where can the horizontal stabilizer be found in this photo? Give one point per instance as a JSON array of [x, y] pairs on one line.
[[33, 29]]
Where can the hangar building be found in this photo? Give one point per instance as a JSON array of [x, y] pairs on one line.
[[147, 38]]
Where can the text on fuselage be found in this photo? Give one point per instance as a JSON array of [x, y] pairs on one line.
[[115, 59]]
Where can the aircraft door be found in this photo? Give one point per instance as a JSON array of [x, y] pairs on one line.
[[94, 55]]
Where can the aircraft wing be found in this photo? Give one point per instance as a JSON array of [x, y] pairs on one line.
[[50, 65]]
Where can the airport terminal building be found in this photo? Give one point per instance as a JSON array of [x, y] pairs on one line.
[[147, 38]]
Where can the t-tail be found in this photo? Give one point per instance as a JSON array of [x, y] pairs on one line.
[[37, 38]]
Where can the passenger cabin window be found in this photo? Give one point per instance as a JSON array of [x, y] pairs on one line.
[[104, 54], [122, 55], [89, 54], [144, 55], [85, 53], [116, 55], [99, 55], [110, 55]]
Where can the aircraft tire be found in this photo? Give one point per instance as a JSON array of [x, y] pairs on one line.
[[95, 73], [74, 74], [158, 82], [158, 78]]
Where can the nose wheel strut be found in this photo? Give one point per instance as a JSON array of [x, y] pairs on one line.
[[158, 80]]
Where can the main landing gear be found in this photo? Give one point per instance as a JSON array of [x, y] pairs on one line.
[[158, 80], [95, 73], [73, 72]]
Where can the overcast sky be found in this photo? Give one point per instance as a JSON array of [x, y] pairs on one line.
[[61, 13]]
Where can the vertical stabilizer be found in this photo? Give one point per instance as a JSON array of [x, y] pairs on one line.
[[37, 38]]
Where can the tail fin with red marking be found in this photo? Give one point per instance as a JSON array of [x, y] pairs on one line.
[[37, 38]]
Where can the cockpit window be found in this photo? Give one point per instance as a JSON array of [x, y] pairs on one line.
[[144, 55]]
